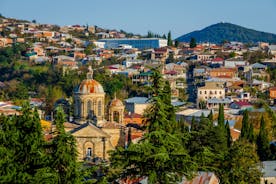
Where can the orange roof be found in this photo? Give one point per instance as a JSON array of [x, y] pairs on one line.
[[235, 134]]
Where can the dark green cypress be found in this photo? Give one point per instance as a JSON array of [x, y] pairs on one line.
[[228, 133], [170, 43], [210, 116], [245, 126], [221, 116], [263, 149], [250, 136]]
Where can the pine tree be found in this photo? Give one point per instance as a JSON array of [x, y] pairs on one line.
[[221, 116], [23, 145], [8, 139], [170, 43], [245, 126], [64, 153], [263, 149], [30, 151]]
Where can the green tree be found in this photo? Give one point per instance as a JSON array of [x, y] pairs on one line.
[[228, 133], [242, 165], [263, 149], [193, 42], [64, 153], [221, 116], [169, 38], [176, 43], [210, 116], [245, 126], [23, 144], [160, 155]]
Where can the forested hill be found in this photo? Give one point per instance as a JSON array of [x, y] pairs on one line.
[[217, 33]]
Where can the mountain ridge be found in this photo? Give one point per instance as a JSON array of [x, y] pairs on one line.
[[216, 33]]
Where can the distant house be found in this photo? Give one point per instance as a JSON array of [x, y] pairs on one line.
[[261, 85], [242, 105], [137, 104], [272, 93], [189, 114], [214, 103], [210, 92], [223, 72]]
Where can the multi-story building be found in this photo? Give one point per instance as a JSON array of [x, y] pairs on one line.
[[139, 43], [210, 92], [223, 72]]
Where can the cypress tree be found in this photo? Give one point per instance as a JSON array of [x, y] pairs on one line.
[[64, 153], [263, 149], [221, 116], [228, 133], [210, 116], [170, 43], [193, 124], [251, 133], [245, 126]]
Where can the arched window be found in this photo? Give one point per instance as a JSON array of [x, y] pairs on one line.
[[116, 116], [89, 152], [89, 108], [99, 108]]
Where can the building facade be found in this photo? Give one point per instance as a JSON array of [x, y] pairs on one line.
[[143, 43]]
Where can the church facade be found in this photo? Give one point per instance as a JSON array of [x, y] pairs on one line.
[[96, 136]]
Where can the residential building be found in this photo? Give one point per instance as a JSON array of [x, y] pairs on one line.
[[223, 72], [210, 92], [137, 104], [272, 93]]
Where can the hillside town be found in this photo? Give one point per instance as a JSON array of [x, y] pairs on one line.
[[103, 81]]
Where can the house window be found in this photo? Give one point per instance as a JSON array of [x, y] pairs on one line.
[[205, 92], [215, 92], [89, 152], [200, 92], [220, 92]]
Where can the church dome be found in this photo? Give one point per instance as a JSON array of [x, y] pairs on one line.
[[116, 103], [90, 85]]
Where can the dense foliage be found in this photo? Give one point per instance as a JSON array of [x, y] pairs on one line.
[[25, 156]]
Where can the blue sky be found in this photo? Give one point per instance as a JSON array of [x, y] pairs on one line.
[[160, 16]]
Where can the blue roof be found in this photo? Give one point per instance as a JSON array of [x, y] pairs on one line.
[[258, 65], [176, 104], [219, 101], [137, 100], [199, 113], [199, 70]]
